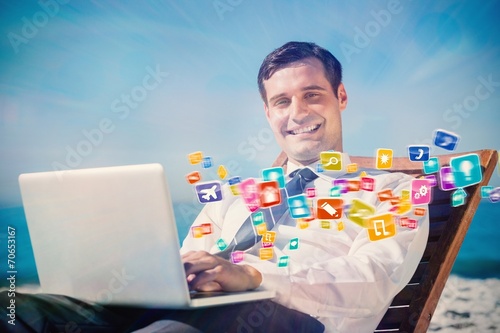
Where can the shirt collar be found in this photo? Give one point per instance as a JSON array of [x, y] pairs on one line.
[[290, 167]]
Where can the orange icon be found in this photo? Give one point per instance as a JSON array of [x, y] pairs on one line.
[[266, 253], [381, 226], [195, 158], [384, 158], [193, 177]]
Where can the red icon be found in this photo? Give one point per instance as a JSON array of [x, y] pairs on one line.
[[329, 208], [193, 177], [269, 193], [367, 184]]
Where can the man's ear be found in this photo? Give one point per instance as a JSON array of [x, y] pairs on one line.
[[342, 97]]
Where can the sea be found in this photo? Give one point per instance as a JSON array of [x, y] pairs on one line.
[[470, 301]]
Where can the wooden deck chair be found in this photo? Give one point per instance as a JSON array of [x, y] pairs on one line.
[[411, 309]]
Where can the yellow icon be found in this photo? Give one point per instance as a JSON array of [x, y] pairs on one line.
[[340, 226], [269, 237], [266, 253], [360, 211], [404, 207], [195, 158], [381, 226], [353, 167], [235, 189], [384, 158], [261, 229], [302, 224], [331, 160], [197, 231], [363, 174], [405, 195], [222, 172], [325, 224]]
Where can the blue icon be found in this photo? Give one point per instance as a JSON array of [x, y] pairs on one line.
[[458, 198], [446, 140], [495, 195], [221, 244], [466, 170], [298, 206], [319, 167], [431, 166], [234, 180], [206, 162], [418, 153], [277, 174], [485, 191], [209, 192]]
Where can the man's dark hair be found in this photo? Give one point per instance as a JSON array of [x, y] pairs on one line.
[[295, 51]]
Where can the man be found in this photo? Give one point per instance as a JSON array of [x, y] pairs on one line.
[[336, 278]]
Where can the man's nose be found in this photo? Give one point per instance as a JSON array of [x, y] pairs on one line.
[[298, 110]]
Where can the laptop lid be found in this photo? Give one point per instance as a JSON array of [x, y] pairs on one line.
[[108, 235]]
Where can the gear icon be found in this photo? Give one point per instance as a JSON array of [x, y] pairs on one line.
[[423, 190]]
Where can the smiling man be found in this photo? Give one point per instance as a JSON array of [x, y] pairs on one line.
[[338, 275]]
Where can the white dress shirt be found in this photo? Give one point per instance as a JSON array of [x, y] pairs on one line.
[[342, 278]]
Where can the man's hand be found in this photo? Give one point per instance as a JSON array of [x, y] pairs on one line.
[[207, 272]]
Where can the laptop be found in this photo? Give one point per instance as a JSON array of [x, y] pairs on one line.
[[108, 235]]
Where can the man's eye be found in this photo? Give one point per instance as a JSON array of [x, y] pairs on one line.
[[281, 102], [312, 95]]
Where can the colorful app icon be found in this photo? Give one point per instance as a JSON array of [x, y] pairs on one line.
[[298, 206], [235, 189], [412, 224], [446, 179], [197, 231], [261, 229], [381, 227], [336, 191], [250, 194], [343, 185], [325, 224], [360, 211], [405, 195], [221, 244], [431, 166], [329, 208], [353, 167], [319, 168], [446, 140], [283, 261], [195, 158], [420, 192], [485, 191], [353, 185], [340, 226], [193, 177], [237, 256], [207, 162], [209, 192], [206, 228], [269, 193], [419, 211], [384, 158], [269, 237], [294, 244], [234, 180], [458, 197], [495, 195], [331, 160], [403, 207], [277, 174], [418, 153], [432, 180], [466, 170], [367, 184], [310, 192], [222, 172], [385, 194], [266, 253], [257, 218], [302, 224]]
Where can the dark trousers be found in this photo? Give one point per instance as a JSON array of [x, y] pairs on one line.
[[46, 313]]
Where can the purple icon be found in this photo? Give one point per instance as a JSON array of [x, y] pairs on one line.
[[432, 180], [343, 184], [495, 195], [209, 192], [447, 181]]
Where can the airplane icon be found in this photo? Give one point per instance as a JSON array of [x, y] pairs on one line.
[[209, 192]]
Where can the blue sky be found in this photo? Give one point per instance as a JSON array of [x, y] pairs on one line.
[[191, 67]]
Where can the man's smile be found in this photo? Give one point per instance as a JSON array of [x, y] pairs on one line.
[[302, 130]]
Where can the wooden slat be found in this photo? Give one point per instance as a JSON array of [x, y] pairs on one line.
[[404, 296], [419, 272], [393, 318]]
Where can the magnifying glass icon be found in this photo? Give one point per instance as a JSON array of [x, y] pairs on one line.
[[333, 161]]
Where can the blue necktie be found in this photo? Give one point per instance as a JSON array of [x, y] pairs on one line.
[[246, 237]]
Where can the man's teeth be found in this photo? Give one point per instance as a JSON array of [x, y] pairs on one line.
[[304, 129]]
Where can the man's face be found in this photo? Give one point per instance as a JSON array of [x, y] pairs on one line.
[[303, 111]]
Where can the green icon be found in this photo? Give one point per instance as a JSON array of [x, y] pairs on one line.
[[294, 244], [359, 211], [466, 170], [258, 218], [336, 191], [431, 165], [458, 197], [221, 244], [283, 261]]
